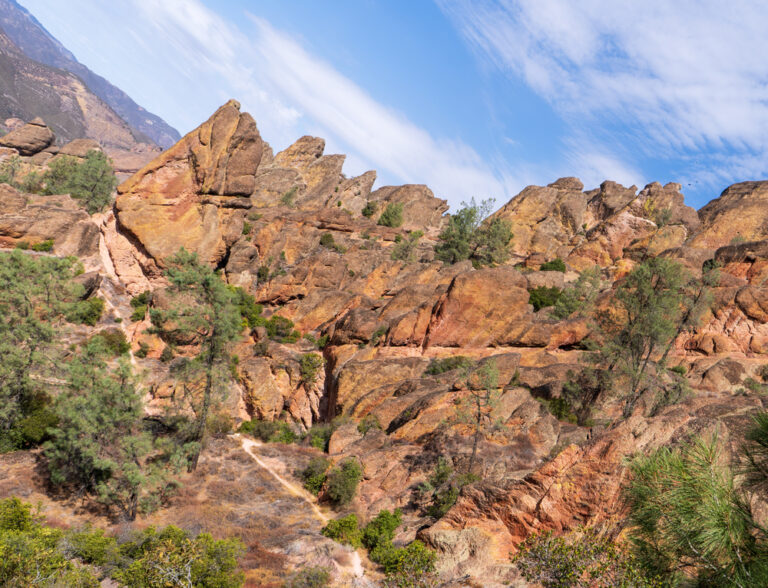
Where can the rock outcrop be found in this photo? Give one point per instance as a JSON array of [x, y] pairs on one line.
[[32, 138]]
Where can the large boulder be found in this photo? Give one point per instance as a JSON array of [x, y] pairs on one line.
[[188, 196], [32, 138], [739, 214]]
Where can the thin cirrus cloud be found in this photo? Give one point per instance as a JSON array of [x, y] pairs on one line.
[[291, 91], [683, 80]]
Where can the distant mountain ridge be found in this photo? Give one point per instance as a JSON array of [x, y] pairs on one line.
[[36, 43]]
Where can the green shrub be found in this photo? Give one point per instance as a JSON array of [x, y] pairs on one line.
[[269, 431], [281, 330], [92, 546], [85, 312], [369, 210], [392, 215], [447, 364], [679, 369], [344, 530], [559, 407], [254, 216], [470, 235], [369, 422], [378, 334], [763, 372], [343, 480], [91, 180], [442, 473], [249, 309], [43, 246], [327, 241], [32, 430], [247, 228], [319, 435], [405, 249], [314, 474], [142, 351], [442, 501], [114, 341], [543, 297], [173, 553], [309, 366], [579, 296], [381, 530], [413, 565], [23, 245], [556, 265], [263, 273], [322, 341], [167, 354]]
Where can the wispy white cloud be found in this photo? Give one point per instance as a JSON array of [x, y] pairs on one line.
[[685, 76], [288, 89]]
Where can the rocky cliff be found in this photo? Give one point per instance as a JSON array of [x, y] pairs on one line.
[[302, 238]]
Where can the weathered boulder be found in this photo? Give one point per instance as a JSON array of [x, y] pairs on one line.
[[32, 138], [187, 197], [34, 219], [739, 214], [79, 147]]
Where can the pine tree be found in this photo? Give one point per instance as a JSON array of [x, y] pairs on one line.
[[99, 445], [203, 310]]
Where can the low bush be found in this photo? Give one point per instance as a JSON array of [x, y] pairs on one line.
[[85, 312], [392, 215], [543, 297], [369, 210], [114, 341], [310, 577], [344, 530], [447, 364], [314, 474], [343, 481], [43, 246], [310, 365], [555, 265], [269, 431], [381, 530]]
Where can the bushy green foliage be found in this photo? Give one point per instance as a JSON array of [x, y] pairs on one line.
[[99, 443], [113, 341], [250, 311], [559, 408], [309, 366], [172, 557], [247, 228], [85, 312], [582, 559], [91, 181], [544, 296], [33, 554], [269, 431], [468, 236], [381, 530], [280, 329], [327, 241], [555, 265], [582, 390], [35, 295], [392, 215], [369, 209], [314, 474], [580, 296], [320, 434], [344, 530], [46, 245], [30, 553], [342, 481], [412, 566], [447, 364], [688, 517], [405, 249], [140, 304], [322, 341]]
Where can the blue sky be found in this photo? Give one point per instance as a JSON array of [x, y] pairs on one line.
[[472, 97]]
